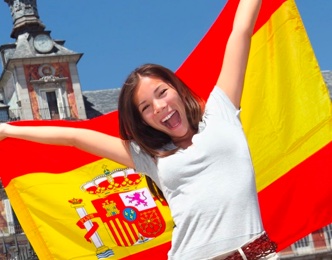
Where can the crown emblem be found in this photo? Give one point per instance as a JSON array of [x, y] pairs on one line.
[[119, 180], [75, 201]]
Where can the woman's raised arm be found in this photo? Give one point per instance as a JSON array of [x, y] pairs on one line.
[[93, 142], [232, 75]]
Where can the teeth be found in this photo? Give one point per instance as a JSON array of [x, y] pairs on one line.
[[168, 117]]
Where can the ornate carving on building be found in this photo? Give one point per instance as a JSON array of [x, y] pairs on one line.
[[45, 79], [40, 78], [20, 8], [24, 14]]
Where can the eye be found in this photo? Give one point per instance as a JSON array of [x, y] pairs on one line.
[[163, 91], [144, 108]]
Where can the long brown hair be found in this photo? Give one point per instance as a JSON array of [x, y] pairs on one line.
[[132, 126]]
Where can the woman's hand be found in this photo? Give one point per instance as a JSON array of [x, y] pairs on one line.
[[90, 141], [3, 126], [231, 78]]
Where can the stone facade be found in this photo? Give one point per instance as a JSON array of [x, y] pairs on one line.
[[40, 78]]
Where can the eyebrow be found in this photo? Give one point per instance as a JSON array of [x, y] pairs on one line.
[[154, 92]]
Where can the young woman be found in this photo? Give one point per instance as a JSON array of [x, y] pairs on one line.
[[196, 153]]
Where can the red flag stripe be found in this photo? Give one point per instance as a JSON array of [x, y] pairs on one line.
[[310, 186], [117, 234], [199, 73], [53, 159], [201, 69], [158, 252]]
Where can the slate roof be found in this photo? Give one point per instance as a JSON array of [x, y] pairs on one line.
[[23, 48], [327, 74], [100, 102]]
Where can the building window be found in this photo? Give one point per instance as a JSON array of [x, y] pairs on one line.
[[4, 115], [6, 218], [328, 235], [304, 246], [53, 103]]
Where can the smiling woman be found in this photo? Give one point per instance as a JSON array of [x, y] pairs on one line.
[[188, 148], [159, 105], [152, 95]]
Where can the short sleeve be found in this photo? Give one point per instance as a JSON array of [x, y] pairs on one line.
[[144, 162], [220, 105]]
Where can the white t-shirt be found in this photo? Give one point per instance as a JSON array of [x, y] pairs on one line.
[[210, 186]]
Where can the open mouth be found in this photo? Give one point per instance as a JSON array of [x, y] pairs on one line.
[[172, 120]]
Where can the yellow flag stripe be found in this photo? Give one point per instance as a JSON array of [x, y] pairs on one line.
[[42, 203], [30, 227], [286, 105]]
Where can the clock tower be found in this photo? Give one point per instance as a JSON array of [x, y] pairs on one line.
[[40, 78]]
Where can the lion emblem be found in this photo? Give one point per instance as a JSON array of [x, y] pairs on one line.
[[139, 198]]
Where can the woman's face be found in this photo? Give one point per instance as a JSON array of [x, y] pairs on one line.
[[162, 108]]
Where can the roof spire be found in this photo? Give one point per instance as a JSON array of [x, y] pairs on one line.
[[25, 17]]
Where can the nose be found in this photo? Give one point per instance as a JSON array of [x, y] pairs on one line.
[[158, 105]]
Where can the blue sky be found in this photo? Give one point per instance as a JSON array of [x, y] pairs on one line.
[[117, 36]]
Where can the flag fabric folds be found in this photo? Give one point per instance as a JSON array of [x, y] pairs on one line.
[[68, 199], [100, 210], [286, 114], [82, 206]]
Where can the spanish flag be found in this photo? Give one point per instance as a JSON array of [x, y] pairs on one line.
[[73, 205], [286, 115]]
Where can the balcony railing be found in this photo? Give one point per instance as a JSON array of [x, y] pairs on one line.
[[58, 113], [10, 115], [14, 246], [44, 114]]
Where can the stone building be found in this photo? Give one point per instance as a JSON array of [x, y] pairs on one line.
[[39, 81], [39, 78]]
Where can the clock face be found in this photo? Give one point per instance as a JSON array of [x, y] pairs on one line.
[[43, 43]]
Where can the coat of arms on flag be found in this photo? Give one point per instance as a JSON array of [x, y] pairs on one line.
[[111, 213], [129, 213], [101, 210]]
